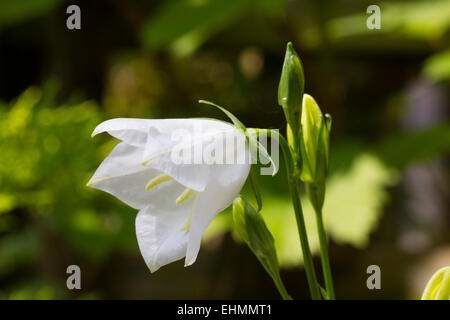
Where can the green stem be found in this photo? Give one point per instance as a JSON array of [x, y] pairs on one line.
[[295, 194], [307, 257], [281, 288], [324, 256]]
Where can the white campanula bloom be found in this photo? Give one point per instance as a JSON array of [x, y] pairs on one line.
[[177, 199]]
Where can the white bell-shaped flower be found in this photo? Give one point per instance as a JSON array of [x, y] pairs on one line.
[[179, 174]]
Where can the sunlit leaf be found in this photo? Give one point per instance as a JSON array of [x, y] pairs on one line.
[[437, 67], [420, 19], [185, 24]]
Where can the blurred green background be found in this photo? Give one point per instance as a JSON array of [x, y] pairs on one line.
[[387, 90]]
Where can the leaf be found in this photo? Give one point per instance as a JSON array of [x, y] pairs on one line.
[[437, 67], [20, 10], [17, 249], [419, 19], [405, 148], [184, 25], [355, 199]]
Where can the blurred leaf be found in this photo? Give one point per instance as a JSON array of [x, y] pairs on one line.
[[421, 19], [7, 202], [47, 157], [351, 211], [352, 208], [405, 148], [33, 292], [437, 67], [355, 200], [19, 10], [18, 249], [185, 24]]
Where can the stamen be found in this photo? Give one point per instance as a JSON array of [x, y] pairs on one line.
[[188, 223], [157, 180], [187, 193]]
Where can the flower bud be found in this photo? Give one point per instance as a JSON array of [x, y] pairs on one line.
[[438, 287], [252, 229], [314, 142], [291, 87], [239, 218]]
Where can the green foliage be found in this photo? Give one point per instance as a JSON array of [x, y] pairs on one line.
[[19, 10], [437, 67], [184, 25], [419, 19], [355, 200], [47, 157], [403, 149], [18, 249], [196, 21], [32, 292]]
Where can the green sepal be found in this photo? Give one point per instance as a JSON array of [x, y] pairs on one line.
[[237, 123], [316, 194], [328, 122], [252, 136], [255, 187]]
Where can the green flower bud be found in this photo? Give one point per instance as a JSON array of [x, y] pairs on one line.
[[314, 142], [252, 229], [291, 87], [239, 218], [438, 287]]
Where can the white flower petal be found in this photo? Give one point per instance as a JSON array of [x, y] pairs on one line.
[[225, 185], [122, 175], [170, 139], [132, 131], [193, 176], [160, 230]]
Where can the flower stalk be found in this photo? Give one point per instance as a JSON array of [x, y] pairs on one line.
[[294, 189], [324, 257]]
